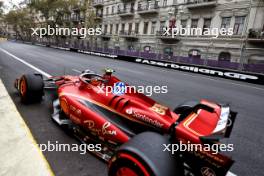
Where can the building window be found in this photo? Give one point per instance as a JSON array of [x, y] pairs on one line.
[[113, 9], [183, 23], [226, 22], [239, 25], [194, 23], [147, 5], [145, 29], [123, 27], [207, 24], [224, 56], [105, 29], [107, 10], [153, 27], [118, 8], [132, 7], [194, 53], [139, 5], [125, 7], [111, 28], [172, 23], [136, 28], [131, 47], [164, 3], [147, 48], [117, 27], [168, 51], [162, 25], [129, 28]]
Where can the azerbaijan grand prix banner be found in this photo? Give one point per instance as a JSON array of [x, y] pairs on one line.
[[216, 72]]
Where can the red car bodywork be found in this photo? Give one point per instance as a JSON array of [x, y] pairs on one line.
[[135, 107], [91, 109]]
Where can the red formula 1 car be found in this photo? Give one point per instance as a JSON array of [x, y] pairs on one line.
[[139, 136]]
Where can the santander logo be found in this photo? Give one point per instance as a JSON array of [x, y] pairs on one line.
[[129, 111], [144, 118]]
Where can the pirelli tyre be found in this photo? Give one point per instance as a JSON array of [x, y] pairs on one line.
[[143, 155], [31, 88]]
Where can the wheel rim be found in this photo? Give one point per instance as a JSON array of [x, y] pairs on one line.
[[129, 166], [23, 87], [126, 171]]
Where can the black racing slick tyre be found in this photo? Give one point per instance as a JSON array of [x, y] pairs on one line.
[[31, 88], [143, 155]]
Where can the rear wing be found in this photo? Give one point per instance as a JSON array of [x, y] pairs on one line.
[[223, 128]]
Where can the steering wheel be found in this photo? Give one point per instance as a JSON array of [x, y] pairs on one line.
[[88, 77]]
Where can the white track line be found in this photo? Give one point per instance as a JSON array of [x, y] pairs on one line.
[[75, 70], [26, 63]]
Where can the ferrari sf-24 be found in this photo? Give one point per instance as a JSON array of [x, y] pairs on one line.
[[133, 128]]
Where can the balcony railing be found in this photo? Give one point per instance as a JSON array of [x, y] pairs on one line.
[[148, 8], [106, 35], [98, 16], [76, 8], [98, 3], [160, 35], [126, 12], [77, 18], [256, 36], [192, 4], [128, 34]]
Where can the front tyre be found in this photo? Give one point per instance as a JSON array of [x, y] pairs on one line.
[[31, 88], [143, 155]]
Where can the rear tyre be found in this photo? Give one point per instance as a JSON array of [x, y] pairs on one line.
[[143, 155], [31, 88]]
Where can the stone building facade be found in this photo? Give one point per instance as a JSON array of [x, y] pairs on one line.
[[137, 25]]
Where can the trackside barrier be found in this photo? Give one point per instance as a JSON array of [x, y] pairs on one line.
[[251, 73]]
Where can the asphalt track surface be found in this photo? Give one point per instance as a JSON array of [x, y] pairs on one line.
[[246, 99]]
